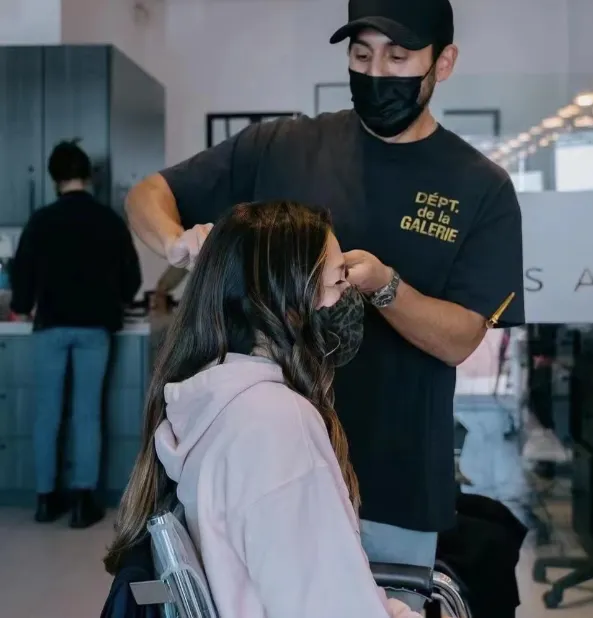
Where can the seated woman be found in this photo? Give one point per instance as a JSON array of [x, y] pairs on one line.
[[240, 416]]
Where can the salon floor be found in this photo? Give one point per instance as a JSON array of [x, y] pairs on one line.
[[54, 572]]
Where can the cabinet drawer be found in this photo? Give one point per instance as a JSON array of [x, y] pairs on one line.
[[124, 412], [16, 361], [17, 412], [119, 461], [16, 465]]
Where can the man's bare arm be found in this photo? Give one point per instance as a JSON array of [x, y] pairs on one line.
[[153, 214], [440, 328], [445, 330]]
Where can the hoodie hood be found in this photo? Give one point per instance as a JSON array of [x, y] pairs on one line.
[[194, 404]]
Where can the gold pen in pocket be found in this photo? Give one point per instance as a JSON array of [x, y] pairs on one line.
[[493, 321]]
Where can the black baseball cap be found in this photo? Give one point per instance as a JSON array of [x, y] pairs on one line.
[[413, 24]]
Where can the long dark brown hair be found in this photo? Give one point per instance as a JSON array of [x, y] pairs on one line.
[[256, 283]]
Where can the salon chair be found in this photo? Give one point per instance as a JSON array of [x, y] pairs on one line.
[[182, 589], [581, 429]]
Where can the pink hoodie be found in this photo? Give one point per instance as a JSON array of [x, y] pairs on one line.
[[264, 496]]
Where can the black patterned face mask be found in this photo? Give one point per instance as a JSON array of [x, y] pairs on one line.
[[344, 326]]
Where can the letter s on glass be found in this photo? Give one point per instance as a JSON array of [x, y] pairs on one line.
[[535, 284]]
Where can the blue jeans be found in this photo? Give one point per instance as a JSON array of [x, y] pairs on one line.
[[393, 545], [89, 350]]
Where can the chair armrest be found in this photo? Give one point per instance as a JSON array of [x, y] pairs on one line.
[[403, 577]]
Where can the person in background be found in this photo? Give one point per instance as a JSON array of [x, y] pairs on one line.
[[433, 233], [76, 267]]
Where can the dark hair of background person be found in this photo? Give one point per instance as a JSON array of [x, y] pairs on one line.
[[69, 162], [262, 266]]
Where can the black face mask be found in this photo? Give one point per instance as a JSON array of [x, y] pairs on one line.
[[344, 327], [387, 105]]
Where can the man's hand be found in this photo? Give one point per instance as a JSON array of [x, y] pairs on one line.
[[440, 328], [182, 252], [366, 272]]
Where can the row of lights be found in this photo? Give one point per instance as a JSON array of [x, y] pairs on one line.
[[547, 132]]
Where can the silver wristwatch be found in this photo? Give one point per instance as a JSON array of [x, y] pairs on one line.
[[384, 296]]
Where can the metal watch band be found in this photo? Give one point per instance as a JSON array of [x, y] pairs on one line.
[[384, 296]]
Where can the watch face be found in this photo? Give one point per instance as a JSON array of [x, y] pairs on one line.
[[384, 299]]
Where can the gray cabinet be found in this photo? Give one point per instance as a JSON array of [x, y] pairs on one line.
[[126, 386], [17, 479], [76, 105], [124, 412], [91, 92], [21, 157]]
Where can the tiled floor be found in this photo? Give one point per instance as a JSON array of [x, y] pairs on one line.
[[51, 571], [54, 572]]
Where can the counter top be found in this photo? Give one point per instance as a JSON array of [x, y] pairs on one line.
[[141, 327]]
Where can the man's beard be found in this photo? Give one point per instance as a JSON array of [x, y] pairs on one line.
[[428, 86]]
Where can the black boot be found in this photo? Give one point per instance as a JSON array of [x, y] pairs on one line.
[[86, 511], [50, 507]]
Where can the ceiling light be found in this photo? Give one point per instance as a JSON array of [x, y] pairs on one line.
[[583, 122], [532, 149], [544, 142], [535, 131], [570, 111], [554, 122], [505, 149], [524, 137], [585, 99], [514, 143]]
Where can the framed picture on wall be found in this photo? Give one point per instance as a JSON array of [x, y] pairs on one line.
[[331, 97], [219, 127], [469, 123]]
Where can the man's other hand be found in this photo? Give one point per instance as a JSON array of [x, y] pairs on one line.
[[397, 609], [366, 272], [183, 251]]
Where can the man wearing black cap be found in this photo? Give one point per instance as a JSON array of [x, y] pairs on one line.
[[434, 233]]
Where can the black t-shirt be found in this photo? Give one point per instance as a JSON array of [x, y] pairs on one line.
[[444, 216]]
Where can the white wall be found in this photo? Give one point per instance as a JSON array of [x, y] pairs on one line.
[[580, 41], [29, 22], [279, 49], [137, 27], [512, 36]]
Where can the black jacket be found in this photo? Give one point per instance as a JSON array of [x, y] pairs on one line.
[[77, 264], [483, 550], [136, 566]]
